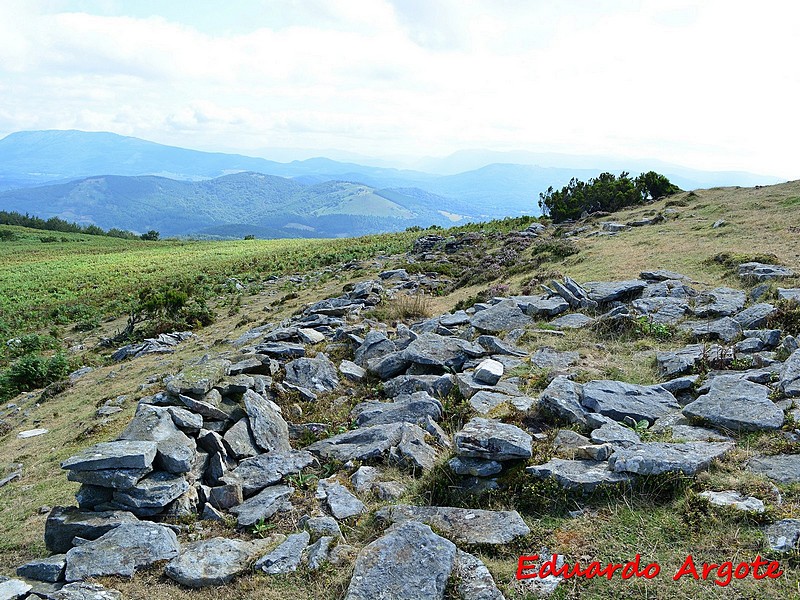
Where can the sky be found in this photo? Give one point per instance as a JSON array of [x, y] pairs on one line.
[[706, 84]]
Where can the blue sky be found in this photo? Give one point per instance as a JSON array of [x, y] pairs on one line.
[[710, 85]]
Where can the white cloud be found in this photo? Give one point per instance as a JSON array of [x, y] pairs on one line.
[[709, 84]]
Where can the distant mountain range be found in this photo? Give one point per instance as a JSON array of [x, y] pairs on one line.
[[116, 181]]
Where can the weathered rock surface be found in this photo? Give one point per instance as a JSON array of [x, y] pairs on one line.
[[734, 499], [719, 302], [617, 400], [461, 525], [409, 562], [489, 371], [121, 551], [122, 454], [783, 468], [176, 450], [264, 470], [340, 501], [317, 374], [784, 535], [737, 405], [474, 581], [755, 316], [13, 589], [789, 382], [503, 316], [654, 458], [240, 440], [48, 569], [84, 591], [66, 523], [542, 306], [562, 397], [726, 329], [477, 467], [152, 494], [584, 475], [433, 350], [437, 386], [413, 408], [547, 358], [215, 561], [286, 557], [485, 402], [198, 379], [270, 431], [263, 505], [604, 292], [762, 272], [572, 321], [492, 440]]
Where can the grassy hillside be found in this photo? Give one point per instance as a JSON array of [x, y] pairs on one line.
[[662, 519]]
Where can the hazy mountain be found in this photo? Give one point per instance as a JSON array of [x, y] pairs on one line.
[[232, 205]]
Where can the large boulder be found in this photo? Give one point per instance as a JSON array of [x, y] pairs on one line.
[[200, 378], [461, 525], [738, 405], [121, 551], [562, 397], [441, 352], [317, 374], [123, 454], [270, 431], [176, 450], [492, 440], [409, 562], [617, 400], [719, 302]]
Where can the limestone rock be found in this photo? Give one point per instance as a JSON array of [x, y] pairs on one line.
[[263, 505], [317, 374], [789, 382], [562, 397], [584, 475], [176, 450], [783, 468], [737, 405], [270, 431], [340, 501], [286, 557], [654, 458], [504, 316], [66, 523], [433, 350], [474, 581], [122, 454], [734, 499], [618, 400], [198, 379], [783, 536], [489, 371], [264, 470], [413, 408], [214, 561], [492, 440]]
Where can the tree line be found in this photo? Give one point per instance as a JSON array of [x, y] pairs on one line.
[[57, 224]]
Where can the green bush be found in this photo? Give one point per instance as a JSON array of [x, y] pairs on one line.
[[607, 193], [32, 371]]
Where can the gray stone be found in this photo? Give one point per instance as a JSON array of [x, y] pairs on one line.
[[540, 306], [548, 358], [584, 475], [719, 302], [120, 479], [281, 350], [504, 316], [789, 378], [755, 316], [13, 589], [84, 591], [155, 491], [389, 490], [725, 329], [317, 553], [270, 431], [185, 419], [614, 227], [310, 336], [784, 535], [352, 371], [562, 397], [770, 337], [263, 505], [409, 562], [455, 319], [789, 294], [734, 499], [615, 434], [364, 478], [618, 400], [317, 374], [494, 345], [469, 386], [214, 561], [783, 468], [389, 366], [375, 345], [264, 470], [477, 467], [48, 569], [198, 379], [414, 408], [660, 275], [737, 405], [461, 525], [604, 292], [492, 440], [489, 371], [437, 386], [286, 557], [239, 439], [176, 450], [412, 451], [433, 350], [655, 458], [340, 501], [473, 579], [226, 496], [485, 402], [66, 523], [688, 433], [762, 272], [251, 364], [122, 454], [204, 408], [673, 289], [364, 443], [321, 527], [122, 551], [572, 321]]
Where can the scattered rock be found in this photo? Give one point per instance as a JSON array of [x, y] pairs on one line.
[[492, 440], [489, 371], [617, 400], [789, 382], [504, 316], [783, 468], [264, 470], [317, 374], [339, 500], [734, 499], [215, 561], [654, 458], [474, 581], [270, 431], [122, 454], [286, 557], [562, 397], [263, 505], [584, 475], [50, 569], [761, 272], [737, 405], [66, 523], [784, 535], [198, 379]]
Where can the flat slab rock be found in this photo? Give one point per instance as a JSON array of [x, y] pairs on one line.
[[340, 501], [66, 523], [409, 562], [123, 454], [412, 408], [783, 536], [263, 505], [737, 405], [121, 551], [286, 557], [200, 378], [84, 591], [492, 440], [214, 561], [364, 443], [264, 470], [461, 525], [734, 499], [603, 292], [783, 468], [474, 581], [12, 589], [617, 400], [790, 375], [655, 458], [503, 316], [585, 475]]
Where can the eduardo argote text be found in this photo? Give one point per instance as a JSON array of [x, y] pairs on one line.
[[529, 567]]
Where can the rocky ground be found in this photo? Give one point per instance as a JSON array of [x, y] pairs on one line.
[[389, 447]]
